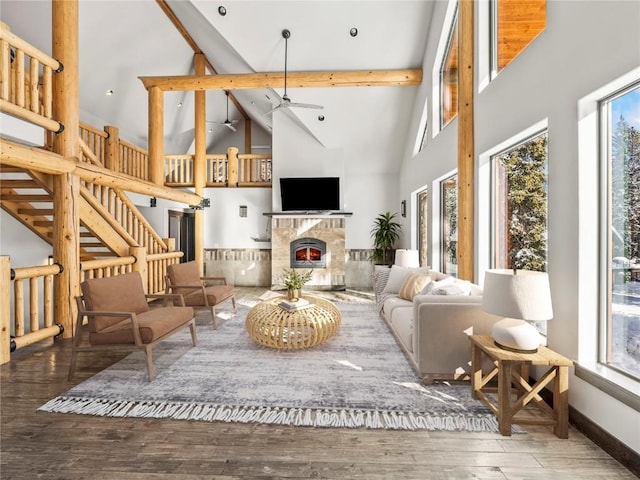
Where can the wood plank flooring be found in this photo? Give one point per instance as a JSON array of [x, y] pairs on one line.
[[72, 447]]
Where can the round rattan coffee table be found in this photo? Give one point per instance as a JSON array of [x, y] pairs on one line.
[[270, 325]]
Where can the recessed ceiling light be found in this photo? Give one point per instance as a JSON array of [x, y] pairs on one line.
[[321, 118], [210, 130], [109, 92], [180, 104], [353, 32], [222, 11]]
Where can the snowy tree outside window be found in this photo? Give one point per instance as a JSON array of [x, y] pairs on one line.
[[620, 327]]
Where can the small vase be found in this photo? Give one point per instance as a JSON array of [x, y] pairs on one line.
[[293, 294]]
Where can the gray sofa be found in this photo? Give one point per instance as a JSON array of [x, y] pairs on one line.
[[432, 329]]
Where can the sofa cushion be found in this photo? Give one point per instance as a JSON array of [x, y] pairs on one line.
[[122, 293], [393, 302], [413, 284]]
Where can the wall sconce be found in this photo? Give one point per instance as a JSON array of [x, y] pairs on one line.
[[403, 208], [243, 210]]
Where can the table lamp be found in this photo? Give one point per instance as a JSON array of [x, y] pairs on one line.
[[407, 258], [520, 296]]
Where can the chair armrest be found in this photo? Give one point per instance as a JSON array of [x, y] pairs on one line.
[[193, 286], [218, 279], [132, 315], [167, 296]]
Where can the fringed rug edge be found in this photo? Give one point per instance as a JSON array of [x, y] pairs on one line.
[[308, 417]]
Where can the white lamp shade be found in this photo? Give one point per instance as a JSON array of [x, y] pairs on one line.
[[407, 258], [523, 295]]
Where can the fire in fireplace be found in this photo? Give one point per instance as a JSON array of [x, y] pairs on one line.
[[308, 253]]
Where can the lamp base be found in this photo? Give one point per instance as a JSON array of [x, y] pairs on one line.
[[516, 335]]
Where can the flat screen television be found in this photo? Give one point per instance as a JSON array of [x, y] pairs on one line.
[[310, 193]]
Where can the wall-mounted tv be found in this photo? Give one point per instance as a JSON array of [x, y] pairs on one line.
[[310, 193]]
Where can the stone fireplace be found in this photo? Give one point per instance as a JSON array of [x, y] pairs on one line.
[[305, 241]]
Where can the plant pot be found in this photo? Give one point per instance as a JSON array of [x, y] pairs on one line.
[[293, 294]]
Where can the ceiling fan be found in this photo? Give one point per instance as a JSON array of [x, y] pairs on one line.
[[227, 123], [285, 101]]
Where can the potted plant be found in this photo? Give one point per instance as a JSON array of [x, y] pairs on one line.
[[294, 280], [385, 234]]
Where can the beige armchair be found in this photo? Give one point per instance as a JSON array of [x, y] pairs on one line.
[[185, 279], [118, 315]]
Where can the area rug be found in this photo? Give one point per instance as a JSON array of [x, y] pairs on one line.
[[358, 378]]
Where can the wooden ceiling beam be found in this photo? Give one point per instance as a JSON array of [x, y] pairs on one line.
[[359, 78]]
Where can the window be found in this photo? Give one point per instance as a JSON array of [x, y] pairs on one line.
[[516, 23], [449, 77], [423, 141], [423, 226], [520, 205], [620, 276], [449, 229]]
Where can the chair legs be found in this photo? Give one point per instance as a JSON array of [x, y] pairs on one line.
[[213, 311], [192, 327], [149, 354]]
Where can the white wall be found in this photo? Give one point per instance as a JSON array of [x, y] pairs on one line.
[[363, 193], [585, 45], [223, 226]]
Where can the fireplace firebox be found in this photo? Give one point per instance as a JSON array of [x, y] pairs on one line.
[[308, 253]]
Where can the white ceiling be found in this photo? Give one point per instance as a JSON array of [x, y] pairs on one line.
[[122, 40]]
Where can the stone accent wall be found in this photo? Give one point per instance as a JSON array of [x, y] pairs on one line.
[[359, 269], [284, 230], [241, 267], [252, 267]]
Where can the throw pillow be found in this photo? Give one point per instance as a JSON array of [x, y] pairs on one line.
[[452, 287], [397, 276], [413, 285]]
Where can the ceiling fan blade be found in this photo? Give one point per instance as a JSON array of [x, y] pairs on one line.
[[230, 126], [305, 105], [276, 108]]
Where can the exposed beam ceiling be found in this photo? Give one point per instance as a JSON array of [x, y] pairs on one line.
[[362, 78]]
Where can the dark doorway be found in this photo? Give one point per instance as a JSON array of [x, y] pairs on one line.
[[182, 228]]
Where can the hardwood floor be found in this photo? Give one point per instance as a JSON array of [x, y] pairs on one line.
[[64, 446]]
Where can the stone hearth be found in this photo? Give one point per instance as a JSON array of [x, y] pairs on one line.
[[330, 230]]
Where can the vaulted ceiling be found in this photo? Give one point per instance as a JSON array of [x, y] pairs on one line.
[[123, 40]]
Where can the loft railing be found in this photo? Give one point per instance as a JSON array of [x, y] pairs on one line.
[[26, 85], [134, 161], [242, 170]]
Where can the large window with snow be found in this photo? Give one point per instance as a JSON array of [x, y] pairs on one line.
[[449, 226], [620, 207], [520, 205]]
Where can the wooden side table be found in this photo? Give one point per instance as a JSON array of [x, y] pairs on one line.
[[512, 369]]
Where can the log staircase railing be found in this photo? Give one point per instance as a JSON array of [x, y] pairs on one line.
[[31, 289], [26, 86], [121, 209]]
